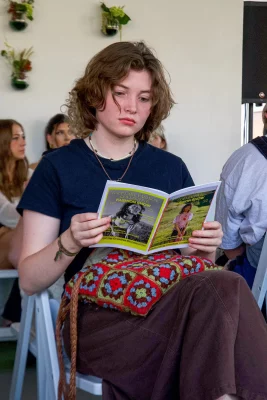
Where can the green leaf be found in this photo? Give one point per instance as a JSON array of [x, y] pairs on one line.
[[21, 7], [16, 64], [124, 20], [105, 8]]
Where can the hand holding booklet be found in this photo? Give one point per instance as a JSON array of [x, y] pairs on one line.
[[147, 220]]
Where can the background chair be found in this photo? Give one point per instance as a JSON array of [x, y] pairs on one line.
[[259, 288], [6, 334], [43, 346]]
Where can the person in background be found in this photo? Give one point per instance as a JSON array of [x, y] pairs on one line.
[[242, 208], [14, 173], [57, 134], [158, 138]]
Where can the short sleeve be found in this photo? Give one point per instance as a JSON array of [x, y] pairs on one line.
[[190, 216], [43, 193], [187, 178]]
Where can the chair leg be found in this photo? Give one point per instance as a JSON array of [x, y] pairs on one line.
[[41, 356], [48, 368], [22, 348]]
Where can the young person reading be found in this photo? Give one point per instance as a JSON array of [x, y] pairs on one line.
[[206, 337]]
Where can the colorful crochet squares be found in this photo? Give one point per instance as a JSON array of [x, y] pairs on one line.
[[125, 281]]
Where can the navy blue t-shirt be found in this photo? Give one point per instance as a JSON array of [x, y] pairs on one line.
[[71, 181]]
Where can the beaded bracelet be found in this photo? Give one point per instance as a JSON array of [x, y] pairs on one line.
[[62, 250]]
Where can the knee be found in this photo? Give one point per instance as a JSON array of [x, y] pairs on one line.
[[224, 278], [229, 287]]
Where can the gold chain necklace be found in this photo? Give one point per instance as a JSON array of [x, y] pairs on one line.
[[100, 162], [111, 159]]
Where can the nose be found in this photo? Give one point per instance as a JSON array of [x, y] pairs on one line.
[[66, 137], [22, 141], [131, 104]]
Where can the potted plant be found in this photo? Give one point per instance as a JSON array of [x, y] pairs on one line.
[[20, 10], [112, 20], [20, 64]]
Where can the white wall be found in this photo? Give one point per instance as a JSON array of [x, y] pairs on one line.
[[199, 42]]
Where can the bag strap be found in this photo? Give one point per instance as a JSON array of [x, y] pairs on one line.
[[260, 143]]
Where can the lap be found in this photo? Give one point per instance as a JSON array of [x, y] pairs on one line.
[[147, 358]]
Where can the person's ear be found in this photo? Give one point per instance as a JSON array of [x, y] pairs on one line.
[[162, 144], [50, 141]]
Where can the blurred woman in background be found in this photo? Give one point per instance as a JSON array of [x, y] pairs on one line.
[[158, 139], [57, 134], [14, 173]]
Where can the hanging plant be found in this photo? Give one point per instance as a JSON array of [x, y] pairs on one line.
[[112, 20], [19, 12], [20, 64]]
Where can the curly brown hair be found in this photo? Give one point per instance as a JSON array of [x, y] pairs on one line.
[[105, 70], [14, 188]]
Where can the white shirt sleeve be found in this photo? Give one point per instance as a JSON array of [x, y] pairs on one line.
[[30, 172], [229, 220], [242, 204], [8, 214]]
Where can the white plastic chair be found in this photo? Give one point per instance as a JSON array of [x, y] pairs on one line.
[[6, 334], [259, 288], [45, 349]]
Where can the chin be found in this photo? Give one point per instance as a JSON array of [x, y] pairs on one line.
[[19, 157], [126, 132]]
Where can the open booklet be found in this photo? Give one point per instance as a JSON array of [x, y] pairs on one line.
[[147, 220]]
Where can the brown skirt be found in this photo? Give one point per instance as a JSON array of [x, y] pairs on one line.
[[205, 338]]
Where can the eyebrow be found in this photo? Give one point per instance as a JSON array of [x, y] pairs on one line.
[[126, 87]]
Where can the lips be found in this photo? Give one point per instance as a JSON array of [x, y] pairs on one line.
[[127, 121]]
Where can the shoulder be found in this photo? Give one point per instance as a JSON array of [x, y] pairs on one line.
[[70, 152], [247, 152], [163, 155], [65, 160], [247, 160], [167, 168], [165, 159]]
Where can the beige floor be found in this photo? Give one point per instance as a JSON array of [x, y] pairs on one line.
[[30, 388]]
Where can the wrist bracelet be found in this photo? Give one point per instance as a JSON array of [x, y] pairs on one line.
[[62, 250]]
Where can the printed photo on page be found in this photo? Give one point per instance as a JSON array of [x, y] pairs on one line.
[[134, 216], [180, 218]]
